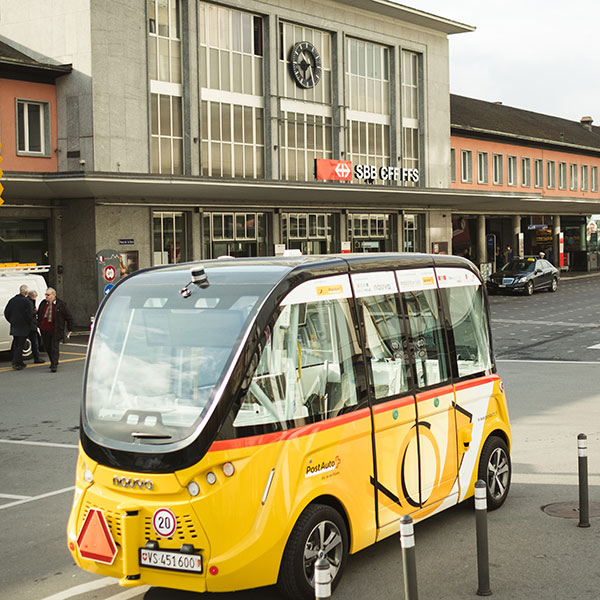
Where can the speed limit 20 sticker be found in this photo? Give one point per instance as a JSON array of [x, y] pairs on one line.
[[164, 522]]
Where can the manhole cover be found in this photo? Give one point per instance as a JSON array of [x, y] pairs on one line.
[[570, 510]]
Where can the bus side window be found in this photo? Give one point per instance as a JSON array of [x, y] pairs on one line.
[[388, 359], [307, 368], [468, 317], [426, 342]]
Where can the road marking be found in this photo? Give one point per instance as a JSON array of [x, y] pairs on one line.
[[73, 353], [130, 593], [549, 362], [78, 345], [546, 323], [13, 497], [82, 589], [551, 478], [594, 347], [45, 444], [82, 357], [40, 497]]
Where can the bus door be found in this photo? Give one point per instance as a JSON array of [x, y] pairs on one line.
[[462, 296], [395, 464], [435, 431]]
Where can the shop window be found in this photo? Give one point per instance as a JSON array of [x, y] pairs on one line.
[[33, 130]]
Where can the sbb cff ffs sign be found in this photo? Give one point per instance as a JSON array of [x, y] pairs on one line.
[[342, 170]]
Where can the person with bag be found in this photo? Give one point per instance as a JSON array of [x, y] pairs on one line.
[[52, 316]]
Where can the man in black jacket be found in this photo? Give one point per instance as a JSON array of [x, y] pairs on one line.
[[19, 313], [52, 316]]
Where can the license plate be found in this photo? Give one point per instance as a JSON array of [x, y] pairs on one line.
[[501, 285], [172, 561]]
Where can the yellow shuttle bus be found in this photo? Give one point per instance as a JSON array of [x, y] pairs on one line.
[[236, 426]]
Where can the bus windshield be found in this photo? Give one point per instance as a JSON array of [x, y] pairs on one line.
[[158, 358]]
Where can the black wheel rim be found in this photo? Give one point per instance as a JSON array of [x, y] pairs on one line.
[[498, 472], [324, 540]]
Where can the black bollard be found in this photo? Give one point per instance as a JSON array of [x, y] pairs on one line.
[[322, 579], [409, 563], [483, 563], [584, 505]]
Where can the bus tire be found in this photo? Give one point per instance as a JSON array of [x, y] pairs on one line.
[[496, 470], [317, 523]]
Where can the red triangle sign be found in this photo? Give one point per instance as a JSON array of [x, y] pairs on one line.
[[95, 540]]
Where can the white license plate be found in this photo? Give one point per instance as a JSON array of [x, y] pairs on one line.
[[501, 285], [173, 561]]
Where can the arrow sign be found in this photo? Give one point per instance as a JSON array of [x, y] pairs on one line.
[[333, 170]]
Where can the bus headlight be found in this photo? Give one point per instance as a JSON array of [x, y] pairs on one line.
[[228, 469], [193, 488], [88, 476], [211, 478]]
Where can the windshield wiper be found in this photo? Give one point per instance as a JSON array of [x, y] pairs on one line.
[[150, 436]]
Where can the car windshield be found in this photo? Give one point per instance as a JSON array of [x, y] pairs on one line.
[[157, 358], [519, 265]]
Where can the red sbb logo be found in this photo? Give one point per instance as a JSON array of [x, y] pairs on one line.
[[342, 170], [334, 170]]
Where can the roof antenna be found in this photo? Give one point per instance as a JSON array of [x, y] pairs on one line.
[[199, 278]]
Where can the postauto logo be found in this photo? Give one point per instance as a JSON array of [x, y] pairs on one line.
[[342, 170]]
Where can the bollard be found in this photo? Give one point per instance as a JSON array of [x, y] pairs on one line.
[[409, 564], [584, 506], [483, 563], [322, 578]]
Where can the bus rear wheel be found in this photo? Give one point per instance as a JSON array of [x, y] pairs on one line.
[[495, 469], [319, 531]]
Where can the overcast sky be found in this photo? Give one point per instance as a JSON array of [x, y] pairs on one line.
[[539, 55]]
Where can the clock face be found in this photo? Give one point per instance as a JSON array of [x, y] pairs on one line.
[[306, 64]]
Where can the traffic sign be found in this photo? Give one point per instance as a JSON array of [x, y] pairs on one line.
[[95, 540], [107, 288], [110, 273]]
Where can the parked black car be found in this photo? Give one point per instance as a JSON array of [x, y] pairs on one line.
[[525, 275]]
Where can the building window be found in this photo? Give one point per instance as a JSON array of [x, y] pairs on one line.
[[452, 165], [170, 238], [167, 134], [525, 172], [562, 176], [232, 92], [573, 169], [164, 48], [368, 116], [550, 174], [584, 178], [511, 170], [411, 112], [466, 166], [33, 128], [539, 173], [311, 233], [482, 167], [497, 168], [594, 182]]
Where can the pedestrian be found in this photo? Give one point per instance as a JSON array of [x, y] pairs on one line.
[[33, 334], [542, 255], [499, 259], [466, 254], [52, 316], [19, 313], [508, 254]]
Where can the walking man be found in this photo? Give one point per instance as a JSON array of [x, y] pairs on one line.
[[19, 313], [52, 316], [33, 334]]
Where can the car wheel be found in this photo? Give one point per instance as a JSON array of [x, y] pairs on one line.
[[319, 531], [27, 349], [528, 291], [496, 470], [554, 284]]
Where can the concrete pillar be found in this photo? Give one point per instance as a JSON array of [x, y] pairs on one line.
[[555, 249], [516, 230], [481, 255]]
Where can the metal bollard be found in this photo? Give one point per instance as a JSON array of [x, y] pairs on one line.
[[584, 506], [483, 563], [409, 564], [322, 579]]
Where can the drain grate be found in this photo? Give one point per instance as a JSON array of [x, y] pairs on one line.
[[570, 510]]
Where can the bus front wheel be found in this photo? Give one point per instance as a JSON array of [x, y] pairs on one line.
[[319, 531], [495, 469]]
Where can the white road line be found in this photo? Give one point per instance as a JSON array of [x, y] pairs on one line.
[[40, 497], [13, 497], [45, 444], [594, 347], [546, 323], [549, 362], [82, 589], [78, 345]]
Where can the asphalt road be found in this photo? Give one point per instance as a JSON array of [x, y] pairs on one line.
[[532, 555]]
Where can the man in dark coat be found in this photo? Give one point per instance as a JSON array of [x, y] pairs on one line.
[[19, 313], [52, 316]]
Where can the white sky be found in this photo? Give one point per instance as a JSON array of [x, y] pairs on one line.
[[539, 55]]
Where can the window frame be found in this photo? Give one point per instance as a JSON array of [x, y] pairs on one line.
[[585, 178], [594, 179], [483, 173], [550, 174], [573, 172], [562, 175], [44, 128], [466, 166], [538, 173], [498, 168], [525, 171], [511, 170]]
